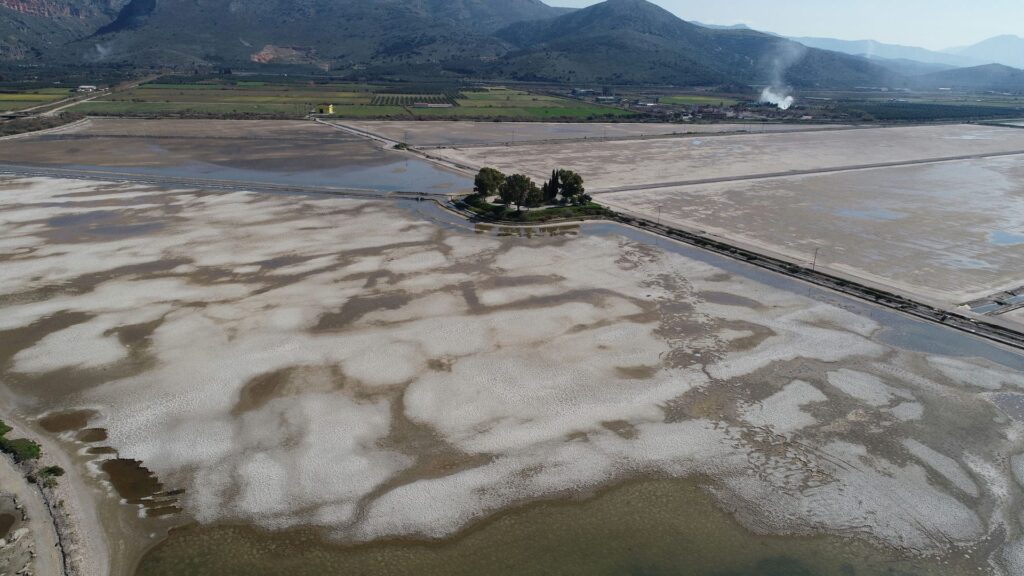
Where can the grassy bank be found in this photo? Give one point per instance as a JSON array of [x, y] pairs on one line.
[[499, 213], [23, 125]]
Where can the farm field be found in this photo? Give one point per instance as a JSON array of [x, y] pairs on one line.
[[13, 101], [295, 100], [218, 99], [690, 100], [505, 103]]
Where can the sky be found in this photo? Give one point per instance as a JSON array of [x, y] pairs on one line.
[[933, 24]]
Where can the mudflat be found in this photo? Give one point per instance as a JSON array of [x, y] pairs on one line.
[[372, 371]]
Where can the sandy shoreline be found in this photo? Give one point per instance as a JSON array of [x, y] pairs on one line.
[[71, 539]]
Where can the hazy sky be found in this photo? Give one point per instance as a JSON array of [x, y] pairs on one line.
[[934, 24]]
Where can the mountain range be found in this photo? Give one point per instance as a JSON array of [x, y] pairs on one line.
[[614, 42]]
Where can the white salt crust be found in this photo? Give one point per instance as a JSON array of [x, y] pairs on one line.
[[867, 388], [971, 374], [944, 465], [534, 387], [782, 412]]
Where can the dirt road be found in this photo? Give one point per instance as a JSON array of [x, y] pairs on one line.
[[48, 561]]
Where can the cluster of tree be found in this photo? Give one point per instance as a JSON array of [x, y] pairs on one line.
[[564, 187]]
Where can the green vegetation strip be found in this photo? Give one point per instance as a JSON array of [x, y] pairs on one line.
[[684, 100], [498, 213], [264, 99], [21, 449]]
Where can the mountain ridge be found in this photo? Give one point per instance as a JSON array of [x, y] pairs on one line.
[[613, 42]]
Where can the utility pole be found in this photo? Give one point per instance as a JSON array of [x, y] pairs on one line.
[[814, 264], [659, 215]]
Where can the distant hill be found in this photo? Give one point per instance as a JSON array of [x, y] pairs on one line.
[[617, 41], [720, 26], [326, 33], [613, 42], [988, 77], [1007, 50], [904, 67], [873, 49], [30, 29], [635, 41]]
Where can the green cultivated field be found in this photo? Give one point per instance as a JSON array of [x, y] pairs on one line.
[[687, 100], [11, 101], [213, 98], [515, 104]]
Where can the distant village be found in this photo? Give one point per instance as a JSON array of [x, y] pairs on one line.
[[690, 108]]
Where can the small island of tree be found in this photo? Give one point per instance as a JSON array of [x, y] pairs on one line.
[[564, 190]]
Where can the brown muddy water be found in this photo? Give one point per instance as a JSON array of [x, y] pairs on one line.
[[649, 528], [6, 523]]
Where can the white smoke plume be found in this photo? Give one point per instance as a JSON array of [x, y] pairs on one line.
[[771, 95], [103, 52], [785, 55]]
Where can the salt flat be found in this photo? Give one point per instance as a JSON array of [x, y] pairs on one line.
[[456, 133], [949, 232], [371, 370], [274, 152], [635, 164], [1016, 315]]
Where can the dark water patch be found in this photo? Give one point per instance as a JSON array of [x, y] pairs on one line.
[[132, 481], [670, 528], [292, 381], [91, 435], [99, 225], [440, 364], [7, 522], [518, 281], [260, 390], [66, 421], [133, 335], [383, 175], [282, 261], [728, 299], [622, 428], [88, 282], [637, 372], [758, 334], [18, 339], [357, 307], [101, 450], [162, 511]]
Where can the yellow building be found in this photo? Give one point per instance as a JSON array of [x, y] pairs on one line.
[[325, 109]]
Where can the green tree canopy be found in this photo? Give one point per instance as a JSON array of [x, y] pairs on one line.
[[487, 181], [535, 197], [571, 184], [552, 187], [516, 190]]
